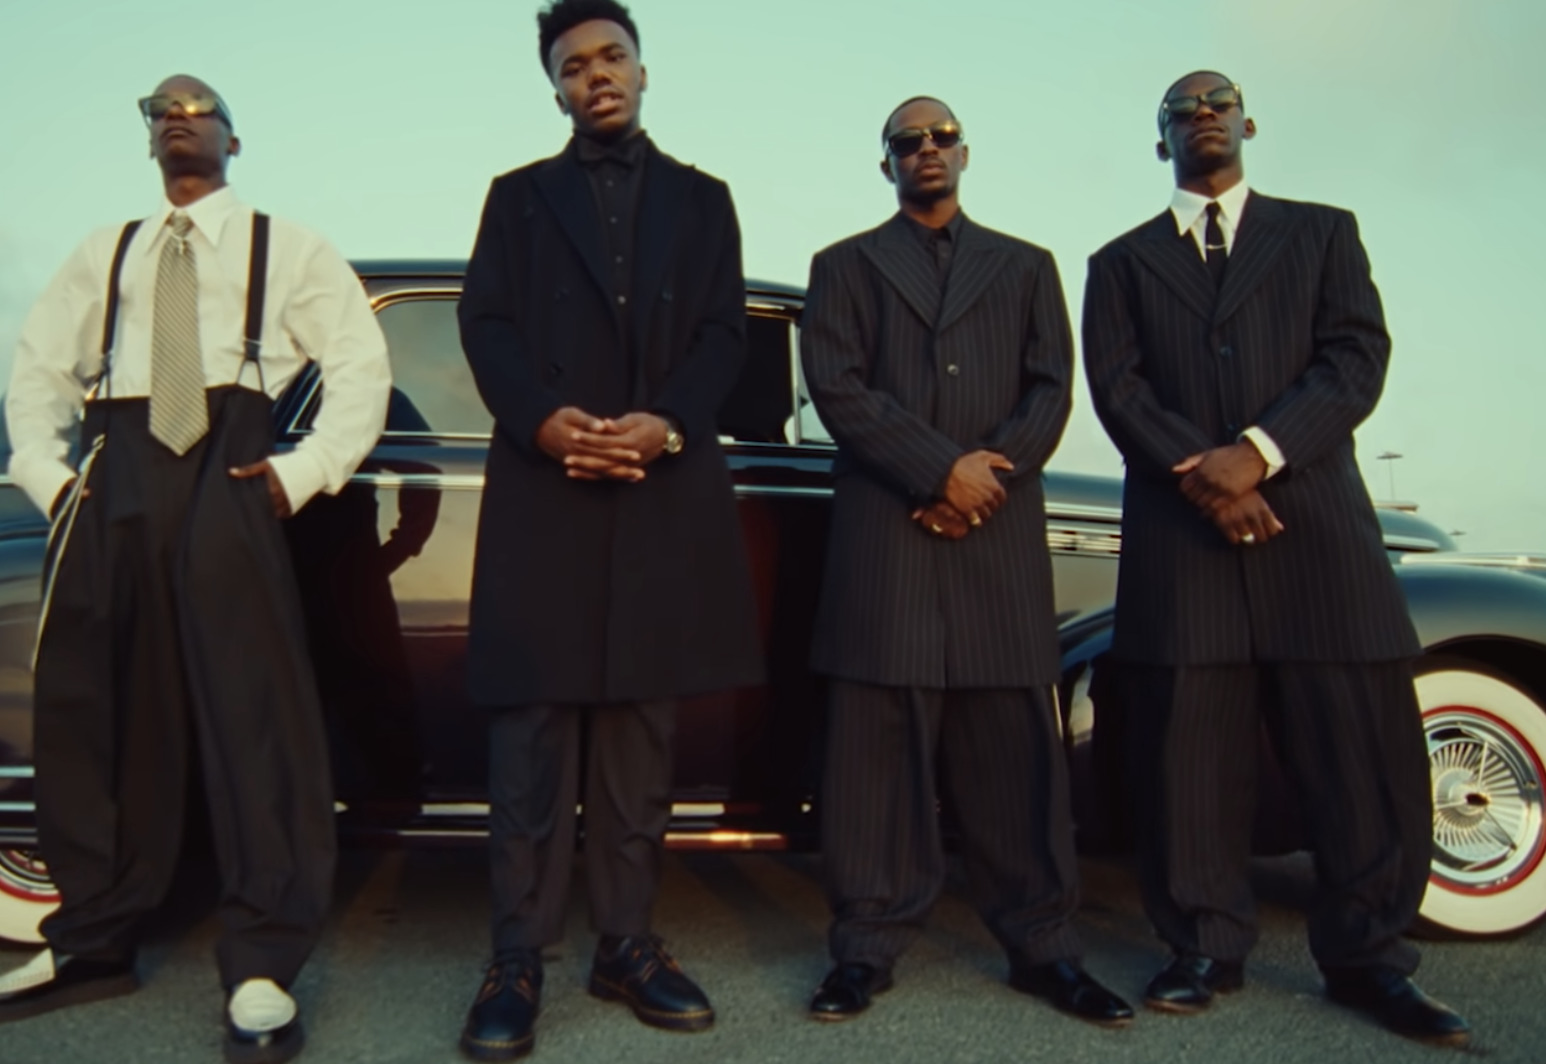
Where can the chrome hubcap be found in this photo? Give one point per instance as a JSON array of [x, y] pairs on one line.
[[1487, 824], [23, 874]]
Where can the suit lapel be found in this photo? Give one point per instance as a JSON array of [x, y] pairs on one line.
[[566, 187], [1175, 261], [896, 253], [974, 266], [659, 223], [1264, 231]]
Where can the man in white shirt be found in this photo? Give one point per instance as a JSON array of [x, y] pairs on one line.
[[171, 614], [1233, 344]]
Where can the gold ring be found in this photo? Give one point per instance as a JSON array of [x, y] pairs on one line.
[[937, 529], [1248, 538], [976, 521]]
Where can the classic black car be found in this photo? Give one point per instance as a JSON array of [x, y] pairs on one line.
[[387, 566]]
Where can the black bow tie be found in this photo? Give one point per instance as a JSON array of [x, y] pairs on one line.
[[624, 153]]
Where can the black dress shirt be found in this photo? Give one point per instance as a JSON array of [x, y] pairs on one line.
[[939, 243], [616, 172]]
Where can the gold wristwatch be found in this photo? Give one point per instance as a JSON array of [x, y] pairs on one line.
[[674, 440]]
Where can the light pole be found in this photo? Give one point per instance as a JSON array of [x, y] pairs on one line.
[[1389, 458]]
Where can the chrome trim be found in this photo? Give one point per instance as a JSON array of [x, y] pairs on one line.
[[18, 807], [17, 772], [680, 809], [783, 490], [1478, 559], [1084, 541], [440, 481], [1422, 543], [1078, 511]]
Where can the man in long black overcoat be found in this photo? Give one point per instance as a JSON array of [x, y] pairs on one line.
[[1233, 343], [938, 354], [604, 320]]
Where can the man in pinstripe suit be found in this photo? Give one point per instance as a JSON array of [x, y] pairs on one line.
[[938, 354], [1233, 343]]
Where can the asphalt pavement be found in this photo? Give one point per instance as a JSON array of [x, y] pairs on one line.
[[404, 951]]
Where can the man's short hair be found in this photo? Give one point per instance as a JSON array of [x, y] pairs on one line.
[[885, 130], [561, 16]]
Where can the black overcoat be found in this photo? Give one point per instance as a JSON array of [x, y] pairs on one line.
[[590, 592], [907, 383], [1293, 342]]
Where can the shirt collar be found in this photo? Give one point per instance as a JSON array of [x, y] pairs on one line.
[[209, 216], [1186, 207], [925, 233], [627, 153]]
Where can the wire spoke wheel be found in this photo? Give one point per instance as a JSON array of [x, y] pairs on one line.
[[1486, 739]]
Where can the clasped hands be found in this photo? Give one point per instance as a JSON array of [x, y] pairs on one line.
[[1222, 484], [972, 494], [597, 448]]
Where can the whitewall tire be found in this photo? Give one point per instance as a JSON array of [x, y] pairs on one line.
[[26, 895], [1487, 756]]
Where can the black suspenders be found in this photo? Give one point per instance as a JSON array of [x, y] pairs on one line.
[[257, 289]]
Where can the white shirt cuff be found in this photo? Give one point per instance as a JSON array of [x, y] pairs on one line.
[[301, 475], [42, 481], [1269, 451]]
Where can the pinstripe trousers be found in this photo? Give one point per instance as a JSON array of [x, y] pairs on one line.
[[1350, 738], [1008, 781]]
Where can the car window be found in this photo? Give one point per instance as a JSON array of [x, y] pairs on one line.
[[433, 390], [758, 407]]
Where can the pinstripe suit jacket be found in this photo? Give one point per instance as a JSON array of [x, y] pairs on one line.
[[907, 382], [1294, 342]]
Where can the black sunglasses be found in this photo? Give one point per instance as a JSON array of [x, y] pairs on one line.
[[905, 142], [193, 104], [1218, 100]]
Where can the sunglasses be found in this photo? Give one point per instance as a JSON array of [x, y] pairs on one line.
[[905, 142], [193, 104], [1184, 107]]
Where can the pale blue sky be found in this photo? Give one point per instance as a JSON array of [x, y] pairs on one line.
[[380, 124]]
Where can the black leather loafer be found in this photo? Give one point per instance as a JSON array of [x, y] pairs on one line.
[[638, 972], [1386, 995], [1069, 988], [1188, 983], [501, 1023], [846, 991], [75, 981]]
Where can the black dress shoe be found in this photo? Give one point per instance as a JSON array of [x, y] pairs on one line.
[[59, 980], [847, 989], [500, 1023], [1187, 984], [639, 972], [1070, 989], [1394, 1000]]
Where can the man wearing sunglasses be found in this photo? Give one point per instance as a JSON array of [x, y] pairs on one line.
[[604, 319], [1233, 343], [171, 615], [938, 353]]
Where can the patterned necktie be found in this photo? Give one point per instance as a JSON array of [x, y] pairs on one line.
[[179, 412], [1218, 251]]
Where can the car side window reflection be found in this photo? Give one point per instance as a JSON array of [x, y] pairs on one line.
[[430, 371]]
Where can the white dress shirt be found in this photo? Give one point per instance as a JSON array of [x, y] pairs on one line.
[[1190, 211], [315, 310]]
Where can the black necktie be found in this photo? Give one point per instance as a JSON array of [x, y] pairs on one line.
[[1217, 250], [944, 249]]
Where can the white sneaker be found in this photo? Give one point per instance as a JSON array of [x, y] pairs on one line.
[[259, 1006]]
